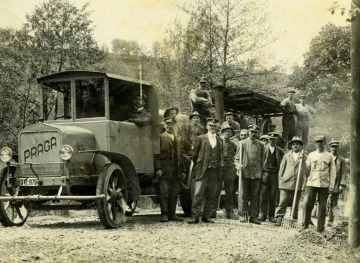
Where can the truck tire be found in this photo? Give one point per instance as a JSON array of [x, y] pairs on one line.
[[12, 213], [112, 184]]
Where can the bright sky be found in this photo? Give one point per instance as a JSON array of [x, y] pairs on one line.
[[296, 22]]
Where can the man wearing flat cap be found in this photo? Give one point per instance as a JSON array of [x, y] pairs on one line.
[[208, 160], [251, 164], [228, 171], [288, 120], [229, 121], [139, 115], [340, 179], [201, 100], [191, 131], [304, 115], [169, 168], [288, 176], [171, 113], [320, 182], [264, 139], [281, 142], [273, 156]]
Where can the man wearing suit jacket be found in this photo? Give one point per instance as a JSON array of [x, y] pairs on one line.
[[339, 180], [273, 156], [288, 173], [207, 157], [168, 169], [251, 151]]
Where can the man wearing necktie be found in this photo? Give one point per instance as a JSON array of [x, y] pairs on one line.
[[168, 168], [207, 157]]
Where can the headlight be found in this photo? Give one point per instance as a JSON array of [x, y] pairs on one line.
[[66, 152], [6, 154]]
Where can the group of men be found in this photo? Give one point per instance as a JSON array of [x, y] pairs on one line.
[[227, 153]]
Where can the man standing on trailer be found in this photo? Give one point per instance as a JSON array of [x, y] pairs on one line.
[[288, 173], [228, 172], [252, 167], [340, 184], [168, 168], [230, 122], [304, 115], [269, 183], [201, 100], [288, 120], [320, 182], [208, 162]]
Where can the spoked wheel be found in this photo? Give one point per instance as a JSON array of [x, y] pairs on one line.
[[112, 208], [12, 213]]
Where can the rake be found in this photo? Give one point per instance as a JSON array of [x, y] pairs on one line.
[[242, 216], [291, 223]]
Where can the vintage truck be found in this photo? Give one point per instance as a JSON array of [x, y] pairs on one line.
[[84, 154]]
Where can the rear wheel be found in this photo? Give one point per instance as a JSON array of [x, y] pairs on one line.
[[12, 213], [112, 183]]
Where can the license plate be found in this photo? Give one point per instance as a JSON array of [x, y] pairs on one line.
[[29, 182]]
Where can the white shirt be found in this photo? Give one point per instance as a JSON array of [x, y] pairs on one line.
[[272, 149], [295, 155], [171, 136], [212, 139]]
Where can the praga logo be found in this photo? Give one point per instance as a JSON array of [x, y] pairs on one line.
[[41, 148]]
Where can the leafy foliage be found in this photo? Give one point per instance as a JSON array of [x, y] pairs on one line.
[[57, 36], [325, 78]]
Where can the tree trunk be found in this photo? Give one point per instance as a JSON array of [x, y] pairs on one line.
[[354, 223]]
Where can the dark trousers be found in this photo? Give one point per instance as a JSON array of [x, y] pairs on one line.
[[333, 203], [235, 189], [286, 197], [228, 179], [169, 191], [249, 188], [303, 131], [205, 192], [288, 123], [309, 201], [268, 194]]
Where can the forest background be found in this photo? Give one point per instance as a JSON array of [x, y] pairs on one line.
[[223, 40]]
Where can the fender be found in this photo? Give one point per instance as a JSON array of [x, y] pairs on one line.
[[128, 168]]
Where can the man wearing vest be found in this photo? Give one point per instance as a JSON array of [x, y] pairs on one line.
[[168, 168], [269, 183], [228, 172], [339, 180], [320, 182], [251, 163], [207, 158], [288, 120]]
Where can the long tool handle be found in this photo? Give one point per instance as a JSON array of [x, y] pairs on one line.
[[140, 77], [239, 173], [297, 184]]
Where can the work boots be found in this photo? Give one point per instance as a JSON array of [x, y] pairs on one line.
[[164, 210], [172, 209]]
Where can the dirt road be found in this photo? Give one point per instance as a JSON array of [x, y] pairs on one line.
[[81, 238]]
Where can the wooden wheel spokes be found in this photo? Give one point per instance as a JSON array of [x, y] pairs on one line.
[[16, 213]]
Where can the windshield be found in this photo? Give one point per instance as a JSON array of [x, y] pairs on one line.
[[90, 98], [57, 100]]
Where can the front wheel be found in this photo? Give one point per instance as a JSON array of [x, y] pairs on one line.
[[112, 183], [12, 213]]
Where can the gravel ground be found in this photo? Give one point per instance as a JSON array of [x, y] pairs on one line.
[[80, 237]]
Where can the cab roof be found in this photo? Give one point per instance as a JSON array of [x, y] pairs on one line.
[[83, 73]]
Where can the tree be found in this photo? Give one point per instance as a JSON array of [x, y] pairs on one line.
[[57, 36], [325, 78]]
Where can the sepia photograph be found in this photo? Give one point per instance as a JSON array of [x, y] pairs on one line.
[[179, 131]]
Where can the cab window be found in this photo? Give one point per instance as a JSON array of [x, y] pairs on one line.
[[90, 98], [57, 100]]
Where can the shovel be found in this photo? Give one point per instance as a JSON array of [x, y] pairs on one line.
[[291, 223], [243, 216]]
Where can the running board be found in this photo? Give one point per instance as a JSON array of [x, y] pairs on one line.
[[49, 198]]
